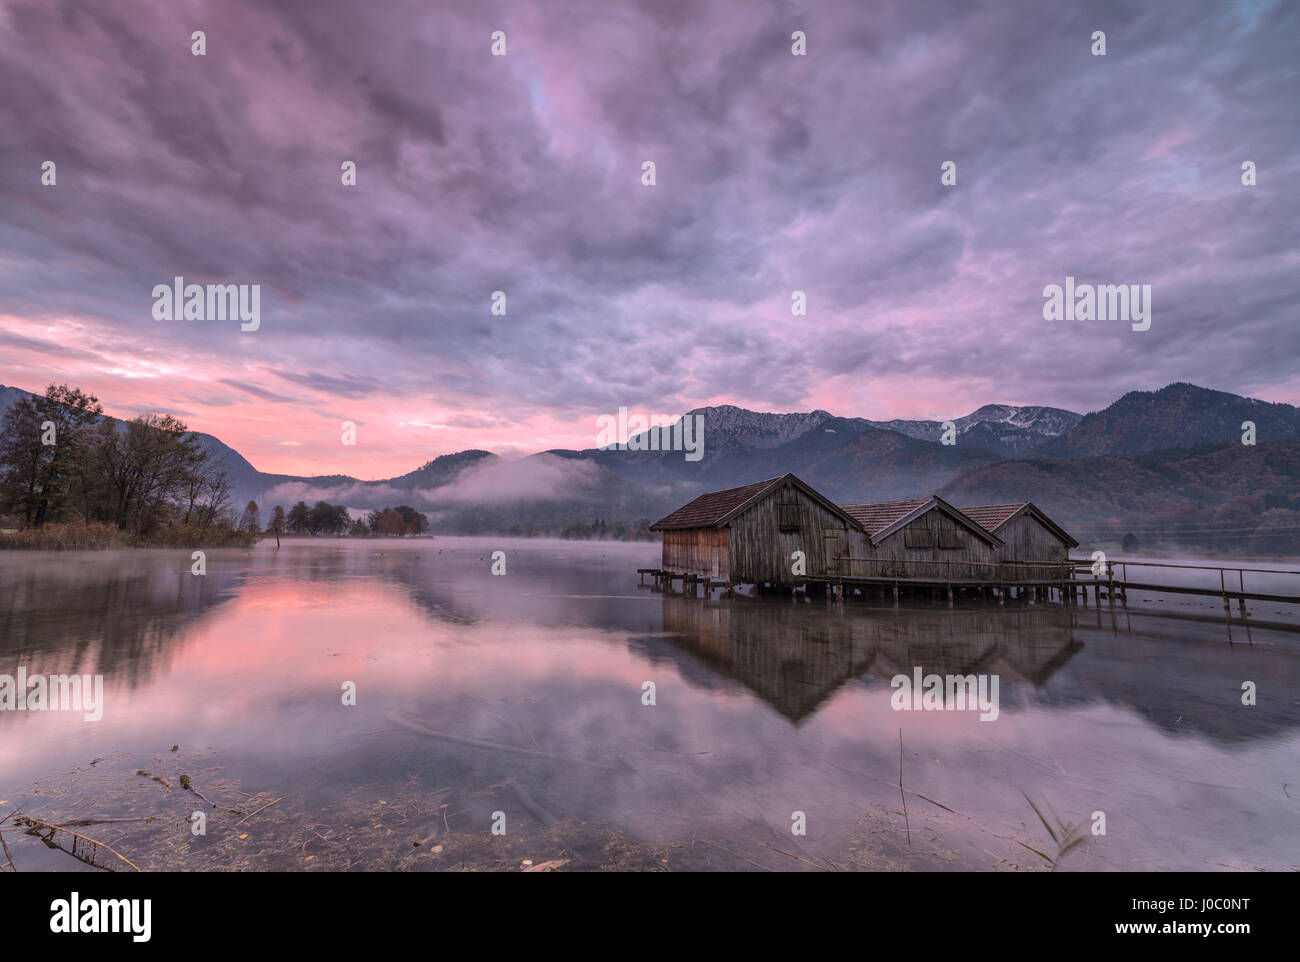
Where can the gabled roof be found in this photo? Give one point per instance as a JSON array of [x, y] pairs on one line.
[[717, 508], [881, 514], [709, 509], [884, 518], [995, 516]]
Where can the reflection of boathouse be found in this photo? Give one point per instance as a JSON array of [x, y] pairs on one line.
[[795, 657]]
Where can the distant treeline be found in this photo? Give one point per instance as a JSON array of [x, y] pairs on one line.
[[324, 518], [599, 530], [71, 478]]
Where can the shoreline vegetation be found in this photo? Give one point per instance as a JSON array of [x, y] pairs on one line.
[[102, 537], [99, 537], [72, 479], [128, 812]]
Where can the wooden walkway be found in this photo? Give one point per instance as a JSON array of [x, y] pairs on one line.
[[1061, 583]]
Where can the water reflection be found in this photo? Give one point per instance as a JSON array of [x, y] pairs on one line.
[[795, 657], [119, 614], [532, 686]]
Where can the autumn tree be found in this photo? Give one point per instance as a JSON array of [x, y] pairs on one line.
[[60, 458], [67, 416], [42, 452], [402, 520], [154, 472], [326, 518], [299, 519], [20, 459]]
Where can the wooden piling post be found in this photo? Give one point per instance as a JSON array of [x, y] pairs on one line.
[[1245, 616], [1227, 605]]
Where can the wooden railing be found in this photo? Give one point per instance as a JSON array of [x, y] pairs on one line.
[[1100, 573], [1224, 572], [997, 571]]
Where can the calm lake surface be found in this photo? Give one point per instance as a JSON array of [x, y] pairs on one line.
[[522, 695]]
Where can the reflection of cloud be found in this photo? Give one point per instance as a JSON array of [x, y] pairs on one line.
[[560, 671]]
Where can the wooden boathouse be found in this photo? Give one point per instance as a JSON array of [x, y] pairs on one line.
[[1028, 534], [925, 538], [748, 535]]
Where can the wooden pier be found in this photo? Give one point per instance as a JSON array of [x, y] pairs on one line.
[[1067, 583], [782, 536]]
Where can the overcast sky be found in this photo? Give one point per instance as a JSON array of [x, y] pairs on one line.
[[523, 173]]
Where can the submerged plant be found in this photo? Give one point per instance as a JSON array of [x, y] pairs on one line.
[[1066, 837]]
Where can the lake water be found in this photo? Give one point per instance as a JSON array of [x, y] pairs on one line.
[[517, 701]]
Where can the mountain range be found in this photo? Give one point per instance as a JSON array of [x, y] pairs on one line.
[[1168, 463]]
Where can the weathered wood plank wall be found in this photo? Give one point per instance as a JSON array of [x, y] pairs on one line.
[[759, 545], [1028, 539], [766, 536], [703, 552], [904, 548]]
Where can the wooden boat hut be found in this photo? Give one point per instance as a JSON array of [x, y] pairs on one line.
[[748, 535], [1029, 536], [924, 538]]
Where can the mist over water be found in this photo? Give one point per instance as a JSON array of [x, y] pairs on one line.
[[763, 708]]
